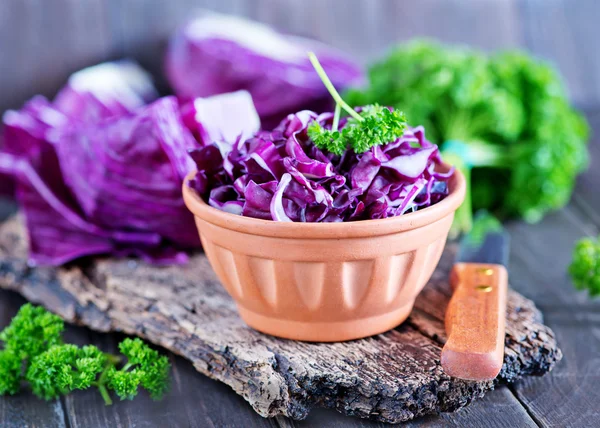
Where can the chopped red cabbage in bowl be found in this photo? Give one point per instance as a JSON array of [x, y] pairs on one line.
[[281, 175]]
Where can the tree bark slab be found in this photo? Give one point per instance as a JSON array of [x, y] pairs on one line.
[[392, 377]]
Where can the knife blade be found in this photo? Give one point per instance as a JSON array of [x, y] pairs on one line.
[[476, 314], [487, 242]]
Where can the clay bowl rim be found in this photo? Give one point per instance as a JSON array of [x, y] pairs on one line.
[[341, 230]]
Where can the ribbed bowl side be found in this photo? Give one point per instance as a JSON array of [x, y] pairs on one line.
[[324, 280]]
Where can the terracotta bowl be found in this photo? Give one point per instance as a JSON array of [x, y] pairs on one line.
[[325, 282]]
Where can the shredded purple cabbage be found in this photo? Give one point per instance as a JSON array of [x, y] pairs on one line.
[[281, 175], [221, 117]]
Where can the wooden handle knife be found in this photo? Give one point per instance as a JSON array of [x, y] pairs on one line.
[[476, 314], [475, 321]]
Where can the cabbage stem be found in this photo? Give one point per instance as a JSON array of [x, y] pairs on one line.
[[478, 154], [336, 118], [334, 93]]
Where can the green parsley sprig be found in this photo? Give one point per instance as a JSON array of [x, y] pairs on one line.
[[585, 266], [34, 352], [372, 125], [145, 367]]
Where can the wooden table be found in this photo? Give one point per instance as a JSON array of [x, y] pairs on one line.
[[41, 42], [539, 255]]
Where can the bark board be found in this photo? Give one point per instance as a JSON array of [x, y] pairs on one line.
[[392, 377]]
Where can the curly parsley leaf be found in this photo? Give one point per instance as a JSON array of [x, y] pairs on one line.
[[372, 125], [585, 266], [379, 127], [34, 351], [32, 331], [124, 383], [10, 373], [63, 369], [325, 139], [144, 367]]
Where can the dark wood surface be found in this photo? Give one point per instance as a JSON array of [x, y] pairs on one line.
[[392, 377], [42, 41], [539, 256]]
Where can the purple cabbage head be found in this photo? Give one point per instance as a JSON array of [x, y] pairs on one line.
[[7, 187], [281, 175], [105, 90], [125, 172], [216, 53], [99, 171]]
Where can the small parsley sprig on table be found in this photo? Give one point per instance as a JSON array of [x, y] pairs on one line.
[[370, 126], [585, 266], [35, 352]]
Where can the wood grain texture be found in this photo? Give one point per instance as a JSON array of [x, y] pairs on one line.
[[542, 253], [193, 401], [564, 32], [586, 200], [392, 377], [43, 42]]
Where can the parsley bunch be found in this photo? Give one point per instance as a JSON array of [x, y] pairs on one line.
[[34, 352], [372, 125], [504, 119]]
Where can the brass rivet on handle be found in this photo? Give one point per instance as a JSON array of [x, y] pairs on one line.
[[484, 288], [486, 271]]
